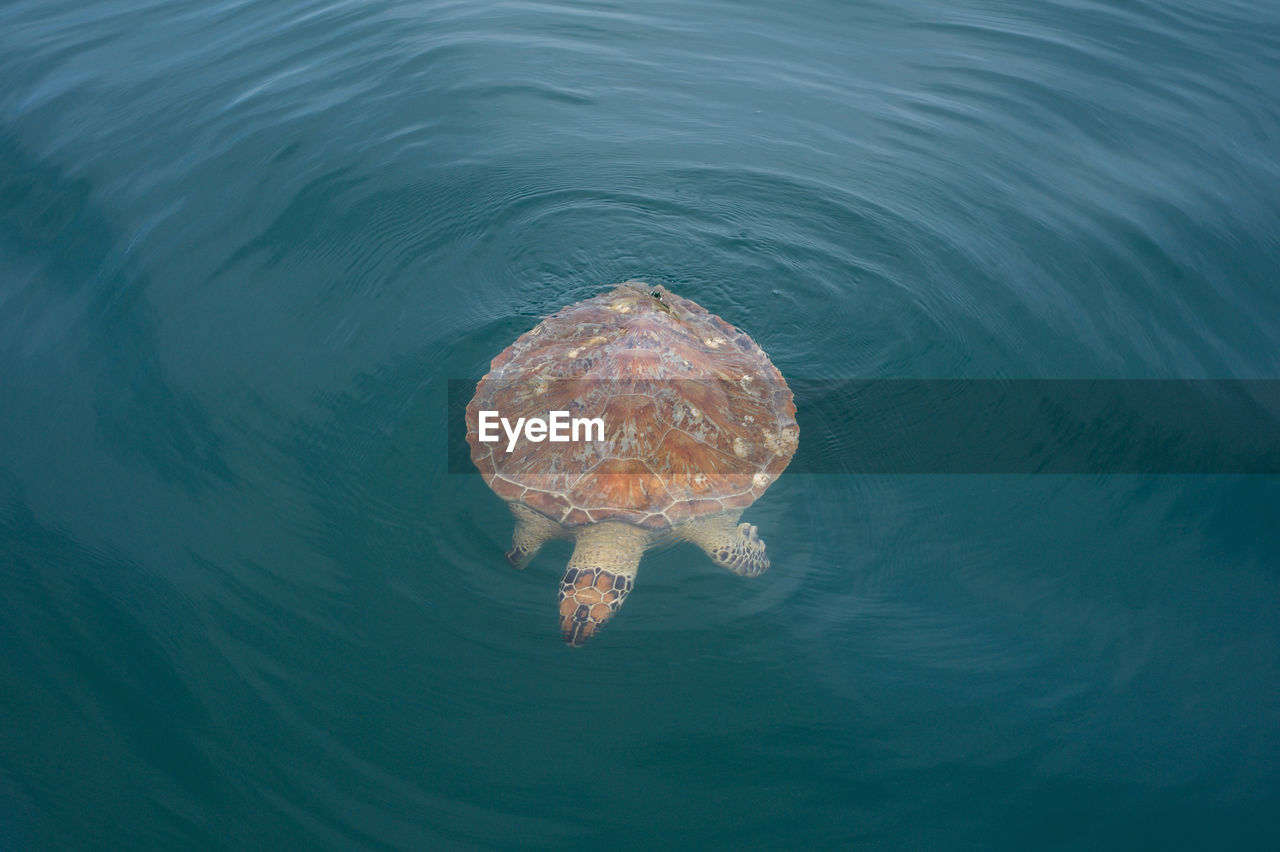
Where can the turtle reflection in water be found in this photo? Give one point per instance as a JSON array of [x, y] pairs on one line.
[[698, 423]]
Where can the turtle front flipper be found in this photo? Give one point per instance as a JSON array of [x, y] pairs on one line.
[[737, 548], [532, 531], [600, 575]]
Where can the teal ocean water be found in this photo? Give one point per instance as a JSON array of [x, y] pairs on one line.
[[244, 248]]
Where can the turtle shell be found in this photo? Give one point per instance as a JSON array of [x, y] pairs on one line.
[[697, 420]]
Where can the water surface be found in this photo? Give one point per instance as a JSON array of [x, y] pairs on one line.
[[245, 246]]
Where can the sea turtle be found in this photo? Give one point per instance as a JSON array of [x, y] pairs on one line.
[[697, 424]]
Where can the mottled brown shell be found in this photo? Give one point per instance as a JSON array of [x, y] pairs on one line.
[[697, 419]]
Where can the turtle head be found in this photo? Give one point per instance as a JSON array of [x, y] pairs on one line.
[[600, 575], [588, 598]]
